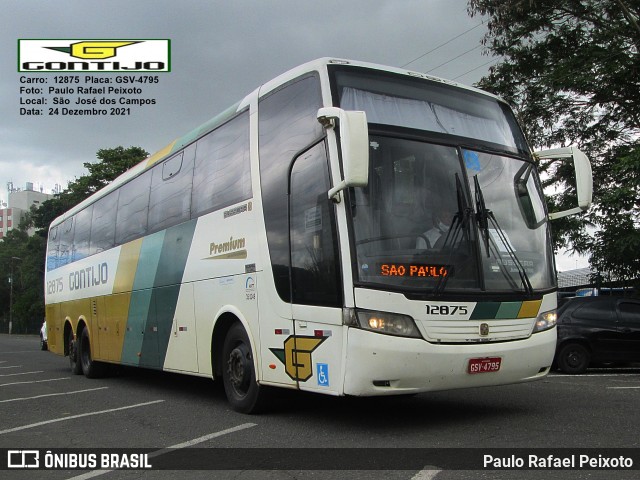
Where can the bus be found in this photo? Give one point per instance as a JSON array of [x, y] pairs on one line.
[[346, 229]]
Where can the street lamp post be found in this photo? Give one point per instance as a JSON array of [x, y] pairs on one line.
[[11, 294]]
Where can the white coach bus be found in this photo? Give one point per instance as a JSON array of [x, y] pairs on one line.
[[347, 229]]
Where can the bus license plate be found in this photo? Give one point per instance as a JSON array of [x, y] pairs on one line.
[[484, 365]]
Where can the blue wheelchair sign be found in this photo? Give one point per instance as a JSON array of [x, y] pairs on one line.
[[322, 374]]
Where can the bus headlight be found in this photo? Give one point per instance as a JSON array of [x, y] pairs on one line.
[[382, 322], [545, 321]]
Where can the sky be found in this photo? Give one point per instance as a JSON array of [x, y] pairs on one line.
[[221, 50]]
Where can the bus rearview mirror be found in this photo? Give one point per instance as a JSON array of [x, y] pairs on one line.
[[584, 177], [354, 146]]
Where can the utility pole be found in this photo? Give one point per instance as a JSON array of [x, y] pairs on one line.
[[11, 294]]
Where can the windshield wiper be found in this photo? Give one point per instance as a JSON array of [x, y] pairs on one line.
[[459, 224], [484, 216]]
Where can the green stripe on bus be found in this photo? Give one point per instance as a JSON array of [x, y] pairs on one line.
[[508, 310], [164, 297], [140, 310], [485, 310]]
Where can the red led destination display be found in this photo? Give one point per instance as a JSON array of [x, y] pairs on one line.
[[413, 270]]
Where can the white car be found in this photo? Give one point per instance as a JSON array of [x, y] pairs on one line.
[[43, 336]]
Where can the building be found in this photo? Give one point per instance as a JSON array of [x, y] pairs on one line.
[[20, 202]]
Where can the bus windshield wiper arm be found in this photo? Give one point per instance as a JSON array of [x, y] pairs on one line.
[[460, 221], [484, 216], [526, 283]]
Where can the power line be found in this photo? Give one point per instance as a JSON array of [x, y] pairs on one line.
[[493, 60], [454, 58], [443, 44]]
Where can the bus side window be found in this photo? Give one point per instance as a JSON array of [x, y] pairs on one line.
[[82, 234], [133, 206], [314, 242], [103, 224], [287, 124], [170, 198], [66, 242], [222, 171], [52, 249]]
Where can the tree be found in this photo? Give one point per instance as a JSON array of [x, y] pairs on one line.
[[112, 163], [571, 68], [22, 262], [25, 255]]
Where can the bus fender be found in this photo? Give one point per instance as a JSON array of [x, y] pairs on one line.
[[224, 317]]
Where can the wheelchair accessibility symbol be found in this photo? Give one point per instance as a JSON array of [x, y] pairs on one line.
[[322, 374]]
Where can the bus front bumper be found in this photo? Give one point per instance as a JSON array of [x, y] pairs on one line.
[[387, 365]]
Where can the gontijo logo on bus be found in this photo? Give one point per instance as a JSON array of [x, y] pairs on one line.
[[296, 355], [106, 55]]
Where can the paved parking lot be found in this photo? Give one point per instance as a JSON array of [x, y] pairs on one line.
[[43, 406]]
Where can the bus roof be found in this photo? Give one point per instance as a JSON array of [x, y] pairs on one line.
[[175, 146]]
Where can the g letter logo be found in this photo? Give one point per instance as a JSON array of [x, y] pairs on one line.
[[93, 50]]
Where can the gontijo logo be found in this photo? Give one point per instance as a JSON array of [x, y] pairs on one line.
[[111, 55], [96, 49]]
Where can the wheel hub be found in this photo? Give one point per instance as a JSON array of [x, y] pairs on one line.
[[239, 369]]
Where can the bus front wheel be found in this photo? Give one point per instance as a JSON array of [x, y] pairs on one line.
[[238, 372]]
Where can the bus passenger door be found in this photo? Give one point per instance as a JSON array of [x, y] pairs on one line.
[[316, 286]]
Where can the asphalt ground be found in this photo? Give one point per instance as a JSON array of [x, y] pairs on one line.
[[183, 419]]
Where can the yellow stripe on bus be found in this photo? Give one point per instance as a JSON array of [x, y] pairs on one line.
[[127, 266], [160, 154], [529, 309]]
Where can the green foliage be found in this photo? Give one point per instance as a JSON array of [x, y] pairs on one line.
[[24, 256], [112, 162], [571, 68]]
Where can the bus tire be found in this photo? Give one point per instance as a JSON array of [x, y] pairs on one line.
[[74, 363], [243, 392], [573, 358], [90, 367]]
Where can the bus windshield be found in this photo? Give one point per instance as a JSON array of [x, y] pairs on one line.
[[429, 106], [453, 210]]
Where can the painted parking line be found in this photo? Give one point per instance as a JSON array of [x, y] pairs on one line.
[[34, 381], [11, 366], [427, 473], [623, 388], [188, 443], [22, 373], [18, 351], [72, 417], [589, 375], [52, 395]]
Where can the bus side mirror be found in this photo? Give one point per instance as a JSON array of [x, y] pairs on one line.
[[354, 146], [584, 177]]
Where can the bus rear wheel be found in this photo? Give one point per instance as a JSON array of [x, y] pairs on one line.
[[90, 367], [74, 363], [238, 372]]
